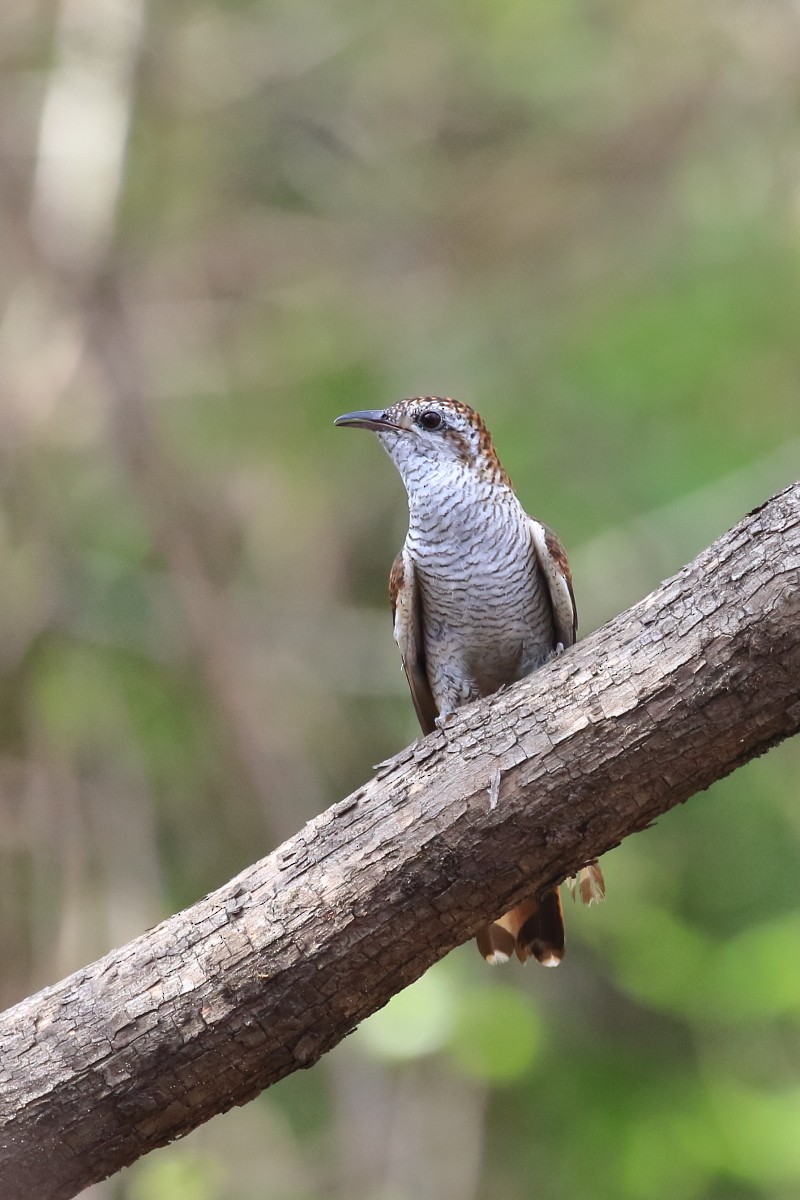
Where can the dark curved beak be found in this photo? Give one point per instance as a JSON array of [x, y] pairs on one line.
[[366, 418]]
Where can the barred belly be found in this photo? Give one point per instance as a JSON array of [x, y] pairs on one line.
[[487, 620]]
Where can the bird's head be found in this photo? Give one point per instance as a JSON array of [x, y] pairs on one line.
[[431, 437]]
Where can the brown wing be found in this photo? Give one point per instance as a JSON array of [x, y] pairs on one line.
[[555, 568], [407, 614]]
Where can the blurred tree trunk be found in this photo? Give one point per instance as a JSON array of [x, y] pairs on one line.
[[275, 968]]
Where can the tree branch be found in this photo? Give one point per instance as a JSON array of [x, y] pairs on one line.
[[269, 972]]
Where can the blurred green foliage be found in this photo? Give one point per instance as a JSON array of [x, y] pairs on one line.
[[222, 224]]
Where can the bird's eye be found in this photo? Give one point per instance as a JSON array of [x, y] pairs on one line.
[[430, 419]]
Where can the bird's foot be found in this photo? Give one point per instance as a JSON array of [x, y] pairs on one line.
[[444, 718]]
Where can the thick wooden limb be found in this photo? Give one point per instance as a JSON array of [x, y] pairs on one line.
[[272, 970]]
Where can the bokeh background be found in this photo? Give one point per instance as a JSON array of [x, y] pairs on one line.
[[223, 224]]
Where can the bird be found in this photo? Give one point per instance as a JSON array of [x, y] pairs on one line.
[[481, 596]]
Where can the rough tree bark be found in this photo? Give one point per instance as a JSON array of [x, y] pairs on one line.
[[269, 972]]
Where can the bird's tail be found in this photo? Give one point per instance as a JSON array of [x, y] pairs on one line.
[[536, 927]]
